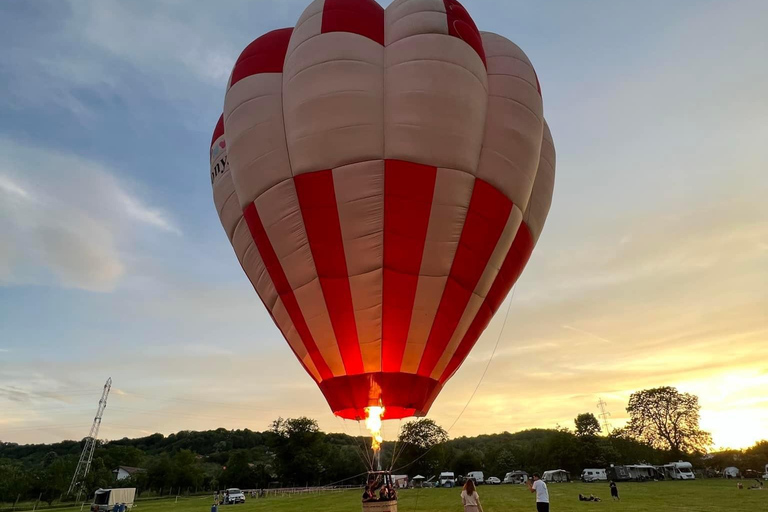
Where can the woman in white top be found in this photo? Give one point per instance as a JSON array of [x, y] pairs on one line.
[[470, 499]]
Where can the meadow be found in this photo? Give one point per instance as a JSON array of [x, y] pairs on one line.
[[698, 496]]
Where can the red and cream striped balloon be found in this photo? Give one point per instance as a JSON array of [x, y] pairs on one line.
[[390, 171]]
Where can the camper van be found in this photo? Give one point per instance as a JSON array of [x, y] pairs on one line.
[[477, 476], [679, 471], [105, 499], [515, 477], [593, 475], [447, 479]]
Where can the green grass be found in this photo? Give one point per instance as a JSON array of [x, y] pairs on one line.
[[698, 496]]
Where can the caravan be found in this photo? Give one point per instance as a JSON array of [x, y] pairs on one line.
[[515, 477], [593, 475]]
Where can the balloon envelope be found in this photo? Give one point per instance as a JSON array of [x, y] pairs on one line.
[[391, 171]]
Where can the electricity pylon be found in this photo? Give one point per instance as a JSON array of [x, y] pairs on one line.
[[86, 457]]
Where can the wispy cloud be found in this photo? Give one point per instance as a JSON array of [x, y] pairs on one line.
[[64, 217]]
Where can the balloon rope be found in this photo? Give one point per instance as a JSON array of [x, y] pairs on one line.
[[498, 339]]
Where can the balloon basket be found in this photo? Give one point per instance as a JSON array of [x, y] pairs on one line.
[[380, 506]]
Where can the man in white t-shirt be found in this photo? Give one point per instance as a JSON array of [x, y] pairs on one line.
[[542, 493]]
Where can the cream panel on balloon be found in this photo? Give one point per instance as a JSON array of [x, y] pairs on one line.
[[514, 124], [450, 202], [283, 222], [428, 293], [407, 18], [435, 104], [257, 272], [309, 25], [284, 323], [541, 197], [481, 288], [333, 102], [359, 192], [366, 300], [227, 205], [313, 307], [253, 120]]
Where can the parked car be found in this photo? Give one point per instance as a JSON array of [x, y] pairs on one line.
[[234, 496], [492, 480]]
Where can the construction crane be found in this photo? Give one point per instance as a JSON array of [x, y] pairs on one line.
[[86, 457]]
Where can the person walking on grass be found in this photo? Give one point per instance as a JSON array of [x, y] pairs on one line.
[[469, 498], [542, 493], [614, 491]]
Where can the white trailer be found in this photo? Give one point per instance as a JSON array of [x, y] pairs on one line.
[[593, 475], [105, 499]]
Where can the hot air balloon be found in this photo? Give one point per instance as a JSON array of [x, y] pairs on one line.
[[383, 176]]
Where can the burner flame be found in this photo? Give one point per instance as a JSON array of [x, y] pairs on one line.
[[373, 423]]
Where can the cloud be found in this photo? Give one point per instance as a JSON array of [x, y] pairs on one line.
[[68, 220]]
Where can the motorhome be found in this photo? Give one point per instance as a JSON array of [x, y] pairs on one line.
[[447, 479], [593, 475], [765, 476], [679, 471], [515, 477], [106, 499], [477, 476]]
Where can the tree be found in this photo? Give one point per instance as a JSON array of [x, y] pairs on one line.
[[667, 419], [420, 438], [587, 425], [423, 433]]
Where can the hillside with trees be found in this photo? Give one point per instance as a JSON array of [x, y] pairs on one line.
[[295, 452]]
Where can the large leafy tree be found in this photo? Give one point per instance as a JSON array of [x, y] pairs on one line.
[[587, 425], [420, 440], [667, 419]]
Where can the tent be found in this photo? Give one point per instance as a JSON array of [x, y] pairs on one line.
[[418, 481], [731, 472], [556, 475]]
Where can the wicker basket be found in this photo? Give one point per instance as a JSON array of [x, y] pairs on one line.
[[380, 506]]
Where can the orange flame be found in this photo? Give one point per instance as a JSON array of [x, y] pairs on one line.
[[373, 423]]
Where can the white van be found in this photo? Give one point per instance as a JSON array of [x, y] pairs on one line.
[[593, 475], [477, 476], [447, 479]]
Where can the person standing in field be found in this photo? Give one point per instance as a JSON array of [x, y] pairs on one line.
[[614, 491], [469, 498], [542, 493]]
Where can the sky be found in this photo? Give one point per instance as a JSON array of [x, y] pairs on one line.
[[652, 269]]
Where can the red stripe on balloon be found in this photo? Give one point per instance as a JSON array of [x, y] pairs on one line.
[[487, 215], [264, 55], [276, 272], [219, 130], [510, 271], [408, 192], [363, 17], [404, 394], [461, 25], [317, 199]]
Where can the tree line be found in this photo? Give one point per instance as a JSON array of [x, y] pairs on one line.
[[292, 452]]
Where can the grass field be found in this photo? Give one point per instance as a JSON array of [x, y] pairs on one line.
[[698, 496]]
